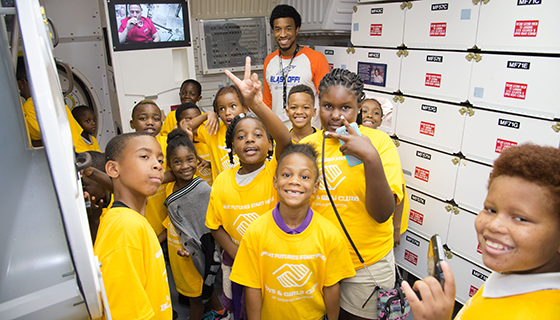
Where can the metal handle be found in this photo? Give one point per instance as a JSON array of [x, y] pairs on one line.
[[69, 75], [83, 161], [463, 110], [448, 208], [556, 127]]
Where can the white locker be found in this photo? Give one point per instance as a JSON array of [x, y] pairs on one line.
[[519, 25], [389, 104], [429, 171], [487, 133], [412, 254], [469, 278], [380, 69], [519, 84], [462, 238], [440, 24], [427, 215], [338, 57], [378, 25], [435, 124], [472, 183], [436, 74]]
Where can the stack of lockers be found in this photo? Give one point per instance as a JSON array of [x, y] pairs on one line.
[[467, 79]]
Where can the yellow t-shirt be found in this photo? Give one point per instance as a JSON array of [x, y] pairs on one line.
[[538, 305], [406, 210], [203, 152], [35, 132], [82, 146], [169, 124], [347, 185], [133, 266], [219, 157], [292, 269], [187, 279], [235, 207], [155, 210]]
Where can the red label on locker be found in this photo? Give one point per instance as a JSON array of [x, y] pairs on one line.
[[427, 128], [421, 174], [478, 249], [416, 217], [433, 80], [410, 257], [376, 30], [331, 66], [527, 28], [501, 145], [515, 90], [438, 29], [473, 291]]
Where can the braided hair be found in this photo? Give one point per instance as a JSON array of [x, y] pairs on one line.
[[230, 133], [345, 78], [178, 138]]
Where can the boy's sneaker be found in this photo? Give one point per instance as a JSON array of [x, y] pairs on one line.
[[213, 315]]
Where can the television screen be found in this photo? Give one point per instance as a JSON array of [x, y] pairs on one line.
[[158, 24]]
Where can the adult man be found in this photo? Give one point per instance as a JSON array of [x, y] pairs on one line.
[[291, 64], [137, 29]]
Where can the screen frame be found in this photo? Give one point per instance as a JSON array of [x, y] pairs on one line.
[[117, 46]]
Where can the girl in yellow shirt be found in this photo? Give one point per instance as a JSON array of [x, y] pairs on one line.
[[241, 194]]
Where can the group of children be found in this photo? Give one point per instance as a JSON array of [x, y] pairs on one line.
[[234, 189]]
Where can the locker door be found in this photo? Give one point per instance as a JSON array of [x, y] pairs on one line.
[[462, 238], [337, 57], [436, 74], [429, 171], [380, 69], [427, 215], [437, 125], [469, 278], [471, 188], [389, 104], [519, 84], [441, 24], [378, 25], [519, 25], [487, 133], [412, 254]]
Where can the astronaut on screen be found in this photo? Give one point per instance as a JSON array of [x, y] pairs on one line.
[[136, 28]]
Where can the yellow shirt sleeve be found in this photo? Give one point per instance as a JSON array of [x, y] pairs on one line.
[[31, 120], [169, 124]]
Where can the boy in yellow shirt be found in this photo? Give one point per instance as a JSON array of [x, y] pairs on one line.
[[131, 258]]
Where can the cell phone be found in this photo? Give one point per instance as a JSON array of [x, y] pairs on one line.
[[435, 257], [352, 160]]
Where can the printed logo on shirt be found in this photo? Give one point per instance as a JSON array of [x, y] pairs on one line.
[[279, 79], [293, 275], [226, 164], [334, 177], [244, 221]]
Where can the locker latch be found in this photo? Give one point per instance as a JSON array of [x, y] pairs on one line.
[[477, 57], [355, 8], [556, 127], [455, 161], [448, 253], [407, 4], [396, 142], [469, 111], [478, 1], [348, 50], [402, 52], [450, 208], [398, 99]]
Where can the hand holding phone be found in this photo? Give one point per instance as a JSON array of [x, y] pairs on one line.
[[435, 257], [352, 160]]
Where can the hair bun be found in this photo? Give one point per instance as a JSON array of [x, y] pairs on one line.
[[176, 133]]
